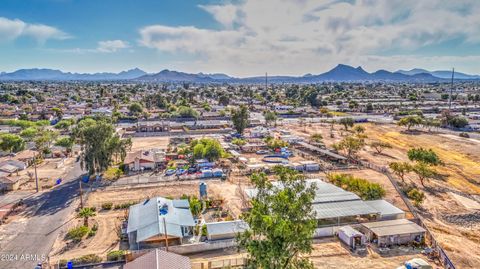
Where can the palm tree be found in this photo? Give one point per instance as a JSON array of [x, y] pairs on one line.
[[86, 213]]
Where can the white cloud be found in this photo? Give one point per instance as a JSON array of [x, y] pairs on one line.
[[13, 29], [295, 37], [112, 45]]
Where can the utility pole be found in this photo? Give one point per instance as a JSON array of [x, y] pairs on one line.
[[451, 92], [36, 176], [266, 80], [165, 231]]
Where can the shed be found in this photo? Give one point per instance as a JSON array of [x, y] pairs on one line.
[[386, 210], [8, 184], [393, 232], [225, 229], [351, 237]]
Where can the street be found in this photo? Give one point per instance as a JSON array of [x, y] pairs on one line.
[[48, 213]]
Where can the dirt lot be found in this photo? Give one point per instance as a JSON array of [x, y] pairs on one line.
[[144, 143], [461, 175]]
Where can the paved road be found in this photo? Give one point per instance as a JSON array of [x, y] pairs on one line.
[[49, 211]]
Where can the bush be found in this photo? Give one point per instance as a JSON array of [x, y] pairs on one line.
[[107, 206], [115, 255], [124, 205], [92, 233], [204, 230], [86, 259], [363, 188], [77, 234], [113, 173], [466, 135], [416, 196]]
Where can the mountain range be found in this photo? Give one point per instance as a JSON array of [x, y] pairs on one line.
[[341, 73]]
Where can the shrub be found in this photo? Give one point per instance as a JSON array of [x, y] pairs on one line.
[[77, 234], [204, 230], [91, 233], [115, 255], [86, 259], [124, 205], [107, 206], [113, 173], [466, 135], [363, 188], [416, 196]]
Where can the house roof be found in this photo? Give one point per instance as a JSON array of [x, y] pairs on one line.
[[141, 155], [25, 154], [6, 180], [393, 227], [146, 219], [8, 168], [159, 259], [342, 209], [226, 227]]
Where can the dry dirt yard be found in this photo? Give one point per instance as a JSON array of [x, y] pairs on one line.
[[145, 143], [454, 221]]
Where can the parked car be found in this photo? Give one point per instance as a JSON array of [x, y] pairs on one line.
[[170, 172], [262, 152]]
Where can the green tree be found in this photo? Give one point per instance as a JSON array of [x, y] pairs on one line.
[[100, 144], [347, 122], [86, 213], [281, 222], [423, 171], [66, 142], [423, 155], [410, 121], [207, 148], [240, 118], [400, 169], [270, 117], [29, 133], [135, 108], [44, 140], [11, 143], [379, 146], [350, 144]]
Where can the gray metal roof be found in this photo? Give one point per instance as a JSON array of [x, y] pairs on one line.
[[384, 207], [349, 231], [181, 203], [145, 218], [342, 209], [226, 227], [322, 151], [393, 227]]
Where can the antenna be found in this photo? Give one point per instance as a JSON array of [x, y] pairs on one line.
[[451, 91]]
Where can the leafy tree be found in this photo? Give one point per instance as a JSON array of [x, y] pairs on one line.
[[63, 124], [275, 143], [400, 169], [207, 148], [346, 122], [195, 205], [100, 144], [29, 133], [58, 112], [135, 108], [11, 143], [429, 123], [379, 146], [66, 142], [239, 141], [423, 155], [44, 140], [359, 129], [240, 119], [86, 213], [280, 223], [270, 117], [350, 144], [187, 112], [410, 121], [423, 171]]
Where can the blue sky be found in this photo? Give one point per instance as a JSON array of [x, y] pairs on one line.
[[242, 38]]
